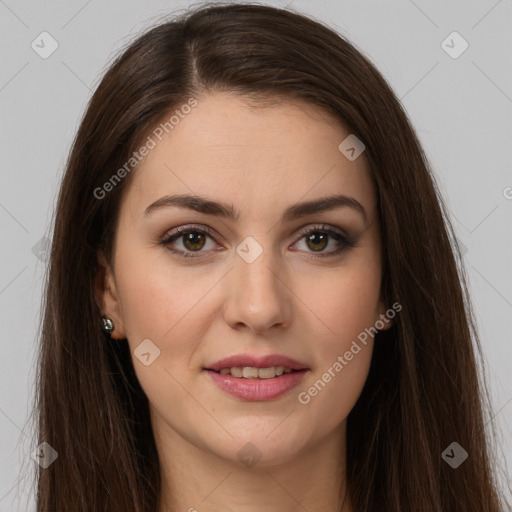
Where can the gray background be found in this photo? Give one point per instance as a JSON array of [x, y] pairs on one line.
[[461, 108]]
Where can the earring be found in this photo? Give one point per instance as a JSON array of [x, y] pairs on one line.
[[108, 325]]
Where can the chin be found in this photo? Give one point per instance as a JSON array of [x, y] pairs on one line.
[[262, 447]]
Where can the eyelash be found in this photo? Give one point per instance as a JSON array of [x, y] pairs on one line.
[[345, 241]]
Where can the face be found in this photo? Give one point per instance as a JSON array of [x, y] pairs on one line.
[[303, 285]]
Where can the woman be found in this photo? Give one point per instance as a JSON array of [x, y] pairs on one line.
[[253, 300]]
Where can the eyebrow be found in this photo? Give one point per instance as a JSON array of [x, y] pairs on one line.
[[296, 211]]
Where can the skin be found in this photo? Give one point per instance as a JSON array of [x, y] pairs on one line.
[[199, 310]]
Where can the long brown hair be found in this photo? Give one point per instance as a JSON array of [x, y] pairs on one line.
[[424, 390]]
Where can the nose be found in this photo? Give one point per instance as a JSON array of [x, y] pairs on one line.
[[257, 296]]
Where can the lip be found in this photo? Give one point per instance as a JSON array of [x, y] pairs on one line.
[[257, 389], [256, 362]]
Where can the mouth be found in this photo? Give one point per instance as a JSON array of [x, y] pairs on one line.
[[252, 384], [256, 377], [252, 372], [255, 366]]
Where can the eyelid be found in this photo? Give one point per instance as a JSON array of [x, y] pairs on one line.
[[345, 240], [322, 227], [190, 227], [209, 231], [175, 233]]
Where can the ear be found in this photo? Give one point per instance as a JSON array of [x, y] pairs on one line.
[[383, 320], [106, 297]]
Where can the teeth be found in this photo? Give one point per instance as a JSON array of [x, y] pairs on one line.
[[249, 372], [236, 371]]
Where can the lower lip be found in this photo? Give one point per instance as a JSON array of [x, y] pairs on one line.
[[257, 389]]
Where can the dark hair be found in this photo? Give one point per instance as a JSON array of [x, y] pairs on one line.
[[423, 391]]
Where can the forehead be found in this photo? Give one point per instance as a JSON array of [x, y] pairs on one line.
[[257, 158]]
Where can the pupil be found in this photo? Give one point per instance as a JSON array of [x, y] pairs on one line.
[[315, 238], [195, 241], [192, 238]]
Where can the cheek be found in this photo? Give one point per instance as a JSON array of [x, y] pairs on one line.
[[158, 297], [345, 305], [345, 300], [167, 306], [343, 361], [329, 396]]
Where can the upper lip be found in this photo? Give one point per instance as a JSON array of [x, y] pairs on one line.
[[256, 362]]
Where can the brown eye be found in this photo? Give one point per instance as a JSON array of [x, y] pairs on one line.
[[324, 241], [189, 241], [194, 240], [317, 241]]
